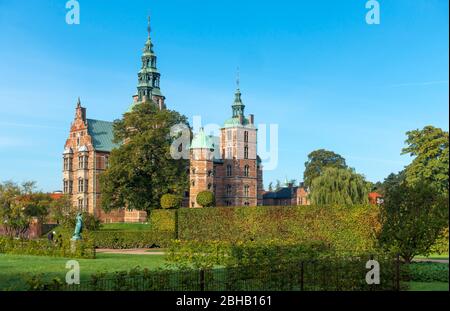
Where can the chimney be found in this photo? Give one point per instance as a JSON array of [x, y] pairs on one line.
[[251, 118]]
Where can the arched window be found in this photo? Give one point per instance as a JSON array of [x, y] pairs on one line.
[[246, 152], [246, 136], [193, 183]]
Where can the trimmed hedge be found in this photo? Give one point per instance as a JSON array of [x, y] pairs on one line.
[[163, 220], [428, 272], [344, 228], [132, 239], [60, 247], [207, 254]]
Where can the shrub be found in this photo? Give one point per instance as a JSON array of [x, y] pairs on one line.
[[132, 239], [205, 198], [183, 254], [163, 220], [68, 220], [428, 272], [351, 228], [440, 246], [171, 201], [60, 247]]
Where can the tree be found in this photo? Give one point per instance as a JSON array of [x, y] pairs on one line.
[[271, 186], [169, 200], [412, 217], [18, 204], [278, 185], [206, 198], [142, 169], [430, 147], [318, 160], [339, 186]]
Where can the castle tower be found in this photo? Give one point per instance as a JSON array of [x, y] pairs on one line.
[[241, 167], [148, 77], [201, 166]]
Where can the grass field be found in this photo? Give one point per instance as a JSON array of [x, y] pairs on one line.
[[433, 256], [15, 268], [428, 286], [126, 226]]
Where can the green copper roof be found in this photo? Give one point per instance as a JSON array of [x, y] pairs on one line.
[[234, 122], [102, 135], [202, 141]]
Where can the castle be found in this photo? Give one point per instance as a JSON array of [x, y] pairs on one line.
[[227, 165]]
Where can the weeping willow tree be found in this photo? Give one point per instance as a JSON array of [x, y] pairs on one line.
[[339, 186]]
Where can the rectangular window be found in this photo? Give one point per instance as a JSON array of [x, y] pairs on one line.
[[66, 164], [86, 183], [228, 135], [229, 172], [229, 153], [66, 186], [246, 190], [70, 186], [246, 136], [80, 185], [246, 152]]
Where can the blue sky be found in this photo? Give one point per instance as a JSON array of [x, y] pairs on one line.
[[315, 68]]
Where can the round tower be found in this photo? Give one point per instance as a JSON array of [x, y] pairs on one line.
[[201, 166]]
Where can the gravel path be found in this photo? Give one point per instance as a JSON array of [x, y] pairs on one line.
[[130, 251]]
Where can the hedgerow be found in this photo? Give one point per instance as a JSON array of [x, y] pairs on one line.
[[343, 227]]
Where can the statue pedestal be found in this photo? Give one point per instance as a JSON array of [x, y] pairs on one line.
[[73, 246]]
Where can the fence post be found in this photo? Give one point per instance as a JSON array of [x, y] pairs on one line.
[[302, 275], [202, 280], [397, 273]]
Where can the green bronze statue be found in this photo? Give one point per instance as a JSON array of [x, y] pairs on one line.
[[78, 228]]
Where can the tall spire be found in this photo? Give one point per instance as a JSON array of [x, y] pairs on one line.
[[149, 28], [148, 76], [238, 106]]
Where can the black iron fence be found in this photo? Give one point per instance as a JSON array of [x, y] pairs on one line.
[[306, 275]]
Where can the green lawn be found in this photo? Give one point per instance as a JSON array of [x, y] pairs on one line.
[[428, 286], [126, 226], [433, 256], [14, 268]]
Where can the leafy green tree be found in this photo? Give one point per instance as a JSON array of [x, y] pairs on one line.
[[142, 169], [206, 198], [318, 160], [339, 186], [169, 200], [413, 217], [430, 147], [271, 186], [18, 204]]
